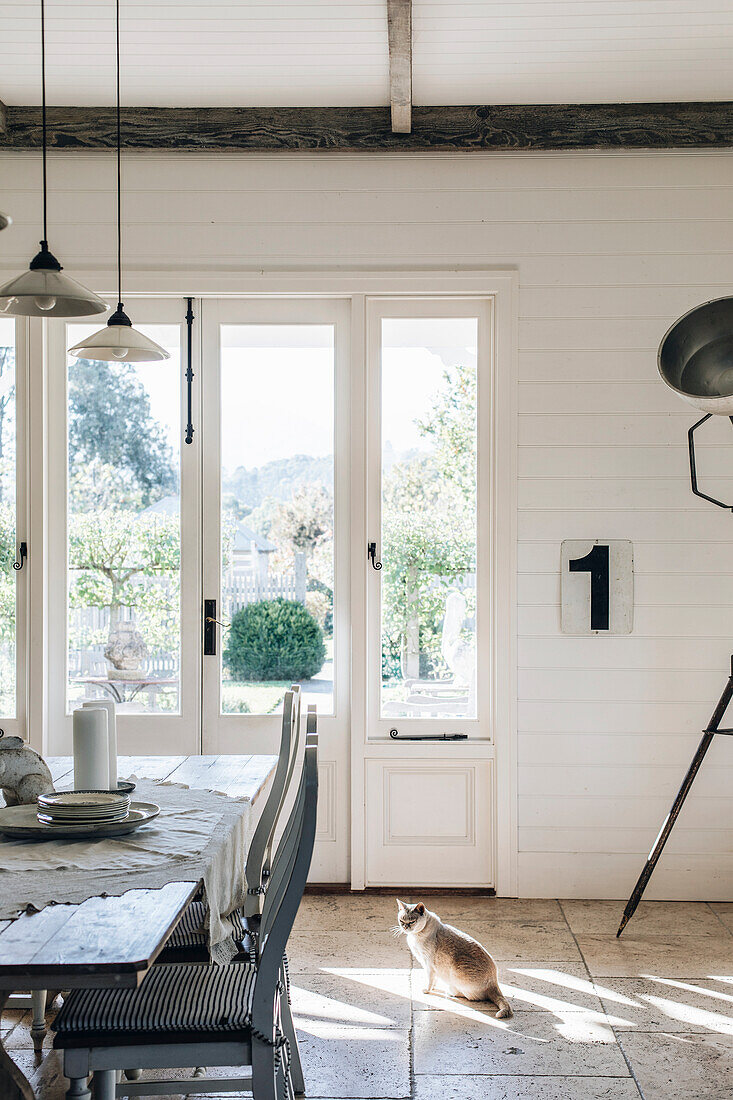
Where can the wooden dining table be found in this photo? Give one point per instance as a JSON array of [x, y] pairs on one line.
[[111, 941]]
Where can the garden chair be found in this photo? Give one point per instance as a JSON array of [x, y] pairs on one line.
[[187, 1015]]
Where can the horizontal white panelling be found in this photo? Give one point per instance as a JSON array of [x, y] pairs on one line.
[[541, 463], [600, 750], [534, 51], [705, 621], [649, 557], [679, 877], [620, 652], [636, 841], [580, 715], [610, 250], [657, 590]]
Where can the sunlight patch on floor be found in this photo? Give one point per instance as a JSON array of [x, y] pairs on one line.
[[686, 1014], [714, 993]]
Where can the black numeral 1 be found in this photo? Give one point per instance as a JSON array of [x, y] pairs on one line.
[[596, 563]]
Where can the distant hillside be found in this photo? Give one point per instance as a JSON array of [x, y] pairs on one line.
[[278, 479]]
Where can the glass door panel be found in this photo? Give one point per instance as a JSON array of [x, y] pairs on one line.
[[427, 506], [277, 515], [130, 532], [12, 702], [275, 512], [124, 529]]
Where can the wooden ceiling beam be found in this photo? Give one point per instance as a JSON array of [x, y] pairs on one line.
[[3, 117], [368, 129], [399, 26]]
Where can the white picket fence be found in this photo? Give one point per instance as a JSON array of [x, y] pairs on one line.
[[242, 589]]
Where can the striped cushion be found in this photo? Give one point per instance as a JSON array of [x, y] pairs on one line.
[[189, 931], [177, 998]]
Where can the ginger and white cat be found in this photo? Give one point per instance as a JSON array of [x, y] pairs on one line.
[[451, 957]]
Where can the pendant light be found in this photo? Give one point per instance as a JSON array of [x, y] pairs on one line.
[[43, 291], [5, 220], [118, 341]]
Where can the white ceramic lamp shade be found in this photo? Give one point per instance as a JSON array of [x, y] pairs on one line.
[[44, 291], [119, 342]]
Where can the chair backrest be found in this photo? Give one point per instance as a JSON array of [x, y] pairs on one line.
[[287, 848], [294, 749], [258, 856], [284, 897]]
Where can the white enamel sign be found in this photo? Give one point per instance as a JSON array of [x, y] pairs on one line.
[[597, 586]]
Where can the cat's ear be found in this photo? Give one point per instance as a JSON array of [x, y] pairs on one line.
[[400, 904], [420, 908]]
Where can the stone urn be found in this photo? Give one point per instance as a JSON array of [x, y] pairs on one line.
[[126, 650]]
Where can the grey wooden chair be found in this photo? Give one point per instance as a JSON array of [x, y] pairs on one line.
[[187, 1015], [189, 940]]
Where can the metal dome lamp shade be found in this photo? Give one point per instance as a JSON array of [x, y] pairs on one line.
[[118, 341], [5, 220], [696, 361], [43, 291]]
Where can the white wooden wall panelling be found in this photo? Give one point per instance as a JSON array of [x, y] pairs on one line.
[[650, 557], [601, 874], [610, 249], [642, 462], [563, 651], [279, 205], [649, 590], [610, 813], [576, 716], [606, 749]]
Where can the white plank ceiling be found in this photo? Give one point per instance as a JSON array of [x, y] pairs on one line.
[[334, 52]]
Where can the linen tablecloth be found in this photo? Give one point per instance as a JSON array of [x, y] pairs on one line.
[[199, 835]]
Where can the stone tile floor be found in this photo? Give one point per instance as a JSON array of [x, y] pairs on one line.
[[650, 1015]]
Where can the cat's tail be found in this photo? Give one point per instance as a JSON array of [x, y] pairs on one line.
[[498, 998]]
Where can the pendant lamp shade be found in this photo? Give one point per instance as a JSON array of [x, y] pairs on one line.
[[5, 220], [119, 342], [43, 291]]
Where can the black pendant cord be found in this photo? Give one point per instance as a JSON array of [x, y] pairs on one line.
[[43, 118], [119, 166]]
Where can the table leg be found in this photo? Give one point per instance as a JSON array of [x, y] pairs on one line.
[[105, 1082], [14, 1085], [38, 1023]]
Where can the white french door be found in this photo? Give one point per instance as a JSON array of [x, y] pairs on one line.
[[341, 518], [276, 536], [14, 526], [429, 767], [124, 538]]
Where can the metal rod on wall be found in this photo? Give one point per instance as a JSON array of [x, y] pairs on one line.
[[189, 371]]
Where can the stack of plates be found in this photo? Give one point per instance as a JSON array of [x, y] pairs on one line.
[[83, 807]]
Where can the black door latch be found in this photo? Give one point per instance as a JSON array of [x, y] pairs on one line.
[[210, 628], [372, 555]]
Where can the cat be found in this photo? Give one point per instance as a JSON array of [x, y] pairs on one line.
[[450, 956]]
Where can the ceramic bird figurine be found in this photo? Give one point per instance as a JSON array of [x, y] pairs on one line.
[[23, 773]]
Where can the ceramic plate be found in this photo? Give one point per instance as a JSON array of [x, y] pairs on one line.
[[21, 823], [88, 801]]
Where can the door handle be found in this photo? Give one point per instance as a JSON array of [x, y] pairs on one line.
[[209, 628], [22, 555]]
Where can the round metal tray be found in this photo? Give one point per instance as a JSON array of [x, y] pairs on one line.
[[21, 823]]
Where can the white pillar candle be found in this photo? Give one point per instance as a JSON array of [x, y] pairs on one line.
[[91, 749], [110, 707]]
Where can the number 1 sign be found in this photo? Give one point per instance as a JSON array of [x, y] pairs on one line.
[[597, 586]]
